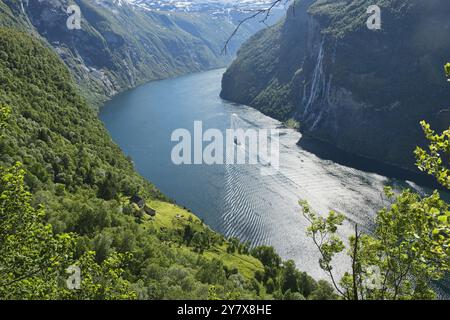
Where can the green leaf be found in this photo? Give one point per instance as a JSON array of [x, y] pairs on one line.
[[447, 69]]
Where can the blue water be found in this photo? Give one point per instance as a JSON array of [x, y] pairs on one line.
[[237, 200], [142, 120]]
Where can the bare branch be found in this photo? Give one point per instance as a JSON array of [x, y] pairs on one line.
[[355, 263], [328, 267], [258, 12]]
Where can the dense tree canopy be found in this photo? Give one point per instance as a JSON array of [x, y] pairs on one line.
[[65, 204]]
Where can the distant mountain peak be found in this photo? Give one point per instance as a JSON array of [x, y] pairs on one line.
[[197, 5]]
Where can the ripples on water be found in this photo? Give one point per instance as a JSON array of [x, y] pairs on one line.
[[235, 199], [264, 209]]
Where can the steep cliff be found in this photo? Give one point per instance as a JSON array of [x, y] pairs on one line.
[[86, 186], [362, 90], [80, 176], [121, 45]]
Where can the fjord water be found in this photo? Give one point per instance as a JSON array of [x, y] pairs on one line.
[[237, 200]]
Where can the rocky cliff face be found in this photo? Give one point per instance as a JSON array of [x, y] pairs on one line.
[[121, 45], [361, 90]]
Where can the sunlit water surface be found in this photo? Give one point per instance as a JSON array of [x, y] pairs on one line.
[[237, 200]]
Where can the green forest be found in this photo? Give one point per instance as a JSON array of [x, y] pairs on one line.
[[71, 201], [65, 201]]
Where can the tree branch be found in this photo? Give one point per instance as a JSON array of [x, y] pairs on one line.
[[328, 268], [258, 12], [354, 263]]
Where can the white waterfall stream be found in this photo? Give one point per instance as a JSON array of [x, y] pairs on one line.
[[316, 80]]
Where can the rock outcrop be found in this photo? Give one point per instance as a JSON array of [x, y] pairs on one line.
[[361, 90], [121, 45]]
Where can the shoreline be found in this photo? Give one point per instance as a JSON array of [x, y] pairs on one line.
[[327, 151], [105, 101]]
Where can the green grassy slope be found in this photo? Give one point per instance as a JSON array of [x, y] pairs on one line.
[[80, 176], [84, 182]]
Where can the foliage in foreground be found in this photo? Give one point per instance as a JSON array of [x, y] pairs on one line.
[[447, 70], [437, 160], [56, 154], [34, 259], [410, 246]]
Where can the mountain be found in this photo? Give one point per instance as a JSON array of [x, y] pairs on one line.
[[88, 188], [229, 8], [79, 175], [124, 43], [349, 86]]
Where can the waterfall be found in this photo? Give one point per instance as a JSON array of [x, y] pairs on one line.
[[317, 79], [328, 91], [22, 7]]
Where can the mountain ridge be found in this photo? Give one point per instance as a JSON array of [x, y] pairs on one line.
[[121, 45], [85, 185], [347, 85]]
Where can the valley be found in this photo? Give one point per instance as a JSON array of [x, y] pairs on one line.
[[120, 122], [235, 199], [347, 85], [122, 44]]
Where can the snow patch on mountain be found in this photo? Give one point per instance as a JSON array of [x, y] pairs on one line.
[[195, 5]]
